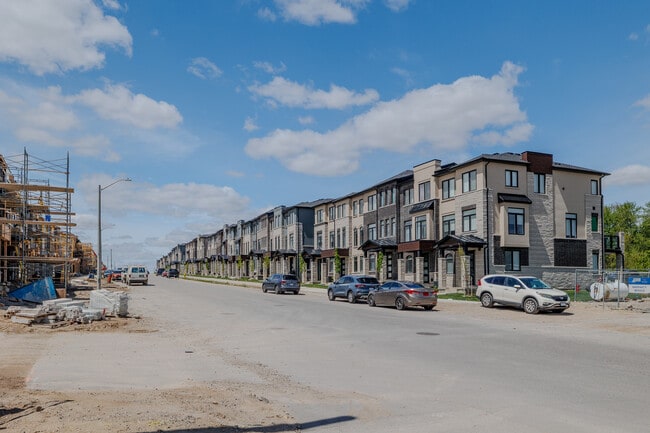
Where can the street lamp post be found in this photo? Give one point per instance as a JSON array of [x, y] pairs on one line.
[[99, 228]]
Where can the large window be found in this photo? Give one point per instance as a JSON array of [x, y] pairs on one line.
[[408, 236], [448, 188], [512, 178], [540, 183], [372, 202], [372, 232], [408, 196], [449, 263], [421, 227], [448, 225], [424, 191], [515, 221], [469, 181], [320, 215], [513, 260], [594, 187], [469, 220], [571, 225]]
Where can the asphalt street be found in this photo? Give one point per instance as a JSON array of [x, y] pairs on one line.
[[340, 367]]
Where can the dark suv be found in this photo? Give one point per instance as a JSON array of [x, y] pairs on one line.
[[281, 283], [172, 273], [352, 287]]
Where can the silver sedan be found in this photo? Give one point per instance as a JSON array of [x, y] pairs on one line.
[[403, 294]]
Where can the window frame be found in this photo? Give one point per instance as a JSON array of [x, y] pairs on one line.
[[539, 183], [571, 225], [469, 220], [512, 178], [469, 182], [516, 221], [448, 188]]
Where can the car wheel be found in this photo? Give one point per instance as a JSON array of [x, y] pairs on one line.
[[263, 289], [296, 292], [330, 295], [277, 290], [428, 307], [399, 303], [351, 298], [371, 301], [486, 300], [531, 306]]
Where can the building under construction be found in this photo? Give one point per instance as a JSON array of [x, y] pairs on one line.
[[35, 221]]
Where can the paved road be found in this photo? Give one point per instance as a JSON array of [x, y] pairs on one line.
[[339, 367]]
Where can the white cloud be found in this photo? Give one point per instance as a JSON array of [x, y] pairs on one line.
[[292, 94], [643, 103], [397, 5], [447, 116], [118, 103], [630, 175], [250, 125], [266, 14], [269, 68], [203, 68], [315, 12], [306, 120], [57, 36]]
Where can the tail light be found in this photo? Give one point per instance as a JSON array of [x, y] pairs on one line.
[[479, 283], [283, 282], [358, 286], [412, 292]]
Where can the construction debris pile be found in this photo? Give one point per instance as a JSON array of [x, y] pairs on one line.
[[62, 311]]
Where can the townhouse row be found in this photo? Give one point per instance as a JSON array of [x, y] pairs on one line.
[[443, 225]]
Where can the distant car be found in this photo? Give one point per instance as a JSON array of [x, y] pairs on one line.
[[403, 294], [136, 274], [172, 273], [281, 283], [529, 293], [352, 287], [117, 275], [160, 271]]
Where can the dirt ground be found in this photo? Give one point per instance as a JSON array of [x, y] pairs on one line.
[[210, 407]]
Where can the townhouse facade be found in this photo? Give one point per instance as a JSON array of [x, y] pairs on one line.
[[439, 225]]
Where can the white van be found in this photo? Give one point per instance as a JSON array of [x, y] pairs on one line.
[[136, 274]]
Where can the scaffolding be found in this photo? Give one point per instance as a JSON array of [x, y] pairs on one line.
[[35, 219]]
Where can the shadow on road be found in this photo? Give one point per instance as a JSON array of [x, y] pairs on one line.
[[275, 428]]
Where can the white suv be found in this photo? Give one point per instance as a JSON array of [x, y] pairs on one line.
[[136, 274], [529, 293]]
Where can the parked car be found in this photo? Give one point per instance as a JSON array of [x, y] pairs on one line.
[[136, 274], [403, 294], [172, 273], [160, 271], [352, 287], [281, 283], [529, 293], [116, 275]]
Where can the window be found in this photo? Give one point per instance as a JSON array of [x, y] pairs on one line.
[[361, 237], [355, 264], [344, 235], [469, 181], [424, 191], [393, 226], [469, 220], [372, 262], [372, 232], [449, 263], [361, 207], [513, 260], [408, 237], [448, 225], [361, 260], [332, 213], [421, 227], [594, 222], [372, 202], [382, 229], [571, 225], [594, 187], [448, 188], [409, 264], [595, 260], [408, 196], [515, 221], [355, 207], [319, 240], [355, 237], [338, 238], [512, 178], [331, 239], [540, 183], [382, 199]]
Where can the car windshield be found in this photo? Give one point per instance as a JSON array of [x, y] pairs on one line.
[[535, 283], [368, 280]]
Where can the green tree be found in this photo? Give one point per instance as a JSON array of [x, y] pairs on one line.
[[634, 222], [380, 262], [337, 262]]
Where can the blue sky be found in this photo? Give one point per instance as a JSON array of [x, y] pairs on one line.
[[220, 110]]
